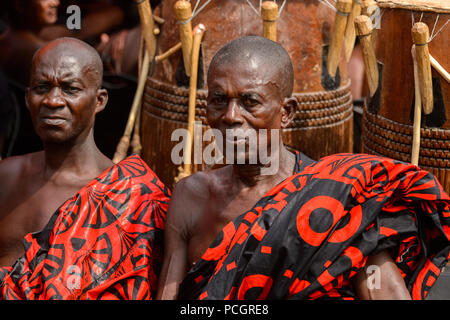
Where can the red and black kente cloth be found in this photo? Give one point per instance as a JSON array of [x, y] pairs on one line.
[[308, 236], [104, 243]]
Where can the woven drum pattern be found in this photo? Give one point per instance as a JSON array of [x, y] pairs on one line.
[[323, 108], [388, 138]]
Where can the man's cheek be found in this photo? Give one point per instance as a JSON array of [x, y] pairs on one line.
[[212, 117]]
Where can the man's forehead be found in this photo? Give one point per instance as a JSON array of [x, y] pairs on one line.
[[249, 72], [61, 62], [247, 61], [64, 65]]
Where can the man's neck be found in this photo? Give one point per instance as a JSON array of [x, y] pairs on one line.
[[253, 174], [80, 158]]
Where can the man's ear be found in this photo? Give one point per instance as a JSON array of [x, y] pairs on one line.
[[102, 100], [288, 110]]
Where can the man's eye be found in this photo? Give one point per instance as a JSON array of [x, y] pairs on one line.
[[42, 88], [71, 90], [219, 100], [248, 101]]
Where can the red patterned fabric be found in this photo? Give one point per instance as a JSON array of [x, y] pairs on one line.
[[104, 243], [308, 237]]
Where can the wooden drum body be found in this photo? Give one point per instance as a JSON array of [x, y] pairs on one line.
[[324, 120], [388, 116]]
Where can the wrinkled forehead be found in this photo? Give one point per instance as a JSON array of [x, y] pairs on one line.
[[246, 64], [46, 64], [63, 62], [246, 70]]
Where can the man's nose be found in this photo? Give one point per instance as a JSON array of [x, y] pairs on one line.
[[232, 114], [53, 98]]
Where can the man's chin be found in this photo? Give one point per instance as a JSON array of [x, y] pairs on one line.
[[54, 137], [54, 140], [241, 158]]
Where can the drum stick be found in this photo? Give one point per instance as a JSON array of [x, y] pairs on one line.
[[343, 8], [168, 53], [421, 35], [183, 13], [147, 25], [269, 14], [122, 147], [136, 146], [186, 170], [158, 19], [440, 69], [417, 112], [350, 34], [363, 26]]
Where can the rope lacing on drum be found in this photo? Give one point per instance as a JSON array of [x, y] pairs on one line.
[[258, 12], [195, 11], [328, 4], [432, 35]]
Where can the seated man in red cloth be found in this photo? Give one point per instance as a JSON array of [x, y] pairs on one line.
[[312, 228], [92, 229]]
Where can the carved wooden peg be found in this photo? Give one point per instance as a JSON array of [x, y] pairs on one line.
[[363, 26], [334, 51], [269, 14], [147, 25], [421, 36], [183, 12], [350, 34]]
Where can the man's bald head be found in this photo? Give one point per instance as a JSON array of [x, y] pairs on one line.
[[74, 50], [65, 90], [267, 54]]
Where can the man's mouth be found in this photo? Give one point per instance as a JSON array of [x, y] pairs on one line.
[[235, 139], [237, 136], [53, 121]]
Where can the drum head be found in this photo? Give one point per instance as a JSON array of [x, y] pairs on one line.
[[439, 6]]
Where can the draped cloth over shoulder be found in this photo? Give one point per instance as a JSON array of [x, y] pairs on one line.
[[104, 243], [308, 236]]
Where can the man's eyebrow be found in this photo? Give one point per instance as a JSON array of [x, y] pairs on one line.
[[70, 76], [71, 80], [41, 80], [249, 94]]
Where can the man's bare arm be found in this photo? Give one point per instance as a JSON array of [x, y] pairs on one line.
[[391, 284], [186, 201], [175, 264]]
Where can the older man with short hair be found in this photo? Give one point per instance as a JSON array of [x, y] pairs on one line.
[[90, 229], [312, 228]]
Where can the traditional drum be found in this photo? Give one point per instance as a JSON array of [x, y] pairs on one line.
[[324, 120], [388, 118]]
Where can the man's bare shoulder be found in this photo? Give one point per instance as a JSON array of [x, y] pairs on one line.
[[15, 168], [192, 194], [194, 187], [199, 185]]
